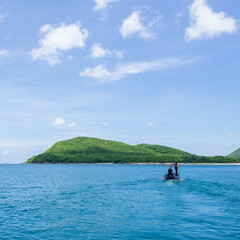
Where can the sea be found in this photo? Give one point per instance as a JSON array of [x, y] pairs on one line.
[[118, 202]]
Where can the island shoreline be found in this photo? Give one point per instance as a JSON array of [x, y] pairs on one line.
[[217, 164]]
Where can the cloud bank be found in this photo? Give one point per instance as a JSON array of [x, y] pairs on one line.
[[125, 69], [56, 40], [207, 24]]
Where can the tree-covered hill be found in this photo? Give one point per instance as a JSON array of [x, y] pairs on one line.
[[235, 154], [94, 150]]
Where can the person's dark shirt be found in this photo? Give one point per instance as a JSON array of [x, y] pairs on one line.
[[170, 171]]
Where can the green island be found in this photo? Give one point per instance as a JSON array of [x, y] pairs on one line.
[[94, 150], [235, 154]]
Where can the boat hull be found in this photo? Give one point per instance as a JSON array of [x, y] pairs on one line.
[[171, 177]]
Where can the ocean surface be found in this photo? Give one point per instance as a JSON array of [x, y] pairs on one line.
[[118, 202]]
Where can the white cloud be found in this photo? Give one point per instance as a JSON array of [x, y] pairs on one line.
[[207, 24], [56, 40], [133, 25], [72, 124], [4, 53], [231, 134], [228, 144], [98, 72], [58, 121], [5, 153], [117, 53], [97, 51], [122, 70], [102, 4]]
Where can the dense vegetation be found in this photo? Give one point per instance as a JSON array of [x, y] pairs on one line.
[[94, 150], [235, 154]]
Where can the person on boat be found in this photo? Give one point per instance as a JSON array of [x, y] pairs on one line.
[[170, 171], [176, 169]]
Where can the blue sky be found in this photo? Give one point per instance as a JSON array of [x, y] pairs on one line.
[[159, 72]]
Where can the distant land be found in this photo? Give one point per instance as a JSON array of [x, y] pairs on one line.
[[95, 150], [235, 154]]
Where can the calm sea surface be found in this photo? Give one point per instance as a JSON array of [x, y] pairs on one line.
[[118, 202]]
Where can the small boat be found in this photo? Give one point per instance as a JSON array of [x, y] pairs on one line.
[[172, 175]]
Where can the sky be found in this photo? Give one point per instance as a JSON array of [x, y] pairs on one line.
[[142, 71]]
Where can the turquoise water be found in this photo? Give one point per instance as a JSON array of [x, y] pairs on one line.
[[118, 202]]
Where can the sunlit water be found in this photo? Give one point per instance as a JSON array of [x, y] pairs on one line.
[[118, 202]]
